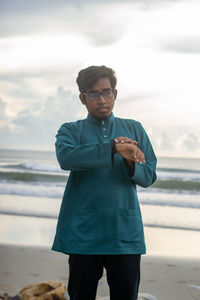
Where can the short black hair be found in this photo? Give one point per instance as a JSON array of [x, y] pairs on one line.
[[88, 77]]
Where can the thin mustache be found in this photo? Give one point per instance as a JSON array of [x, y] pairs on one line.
[[102, 107]]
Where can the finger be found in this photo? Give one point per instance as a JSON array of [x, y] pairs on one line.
[[135, 154], [126, 140], [119, 139], [141, 157], [123, 139]]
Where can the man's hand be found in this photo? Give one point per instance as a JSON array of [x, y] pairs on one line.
[[130, 152]]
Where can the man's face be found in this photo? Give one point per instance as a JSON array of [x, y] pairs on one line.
[[102, 107]]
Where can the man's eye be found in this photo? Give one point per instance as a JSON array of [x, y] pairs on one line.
[[107, 93], [93, 95]]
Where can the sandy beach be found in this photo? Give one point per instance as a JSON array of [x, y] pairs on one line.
[[170, 270]]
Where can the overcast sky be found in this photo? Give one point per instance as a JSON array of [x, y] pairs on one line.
[[154, 47]]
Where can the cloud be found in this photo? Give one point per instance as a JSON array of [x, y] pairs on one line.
[[168, 142], [16, 85], [191, 142], [23, 17], [29, 88], [175, 142], [37, 128], [37, 6], [104, 34], [20, 76], [49, 41], [102, 23], [189, 45], [97, 27], [5, 129], [2, 109], [142, 99]]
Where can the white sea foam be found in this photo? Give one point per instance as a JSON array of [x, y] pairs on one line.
[[38, 189], [156, 216], [32, 190], [31, 206], [171, 217], [56, 189], [33, 167], [184, 176], [39, 167], [170, 199]]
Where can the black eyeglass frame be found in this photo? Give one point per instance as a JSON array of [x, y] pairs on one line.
[[102, 93]]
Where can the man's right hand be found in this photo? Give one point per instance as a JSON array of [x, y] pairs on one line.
[[130, 152]]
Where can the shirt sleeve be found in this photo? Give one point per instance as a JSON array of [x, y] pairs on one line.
[[80, 157], [145, 174]]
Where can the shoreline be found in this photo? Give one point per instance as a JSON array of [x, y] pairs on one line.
[[165, 277], [174, 243], [39, 232], [16, 229], [169, 270]]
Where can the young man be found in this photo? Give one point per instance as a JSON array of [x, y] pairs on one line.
[[100, 223]]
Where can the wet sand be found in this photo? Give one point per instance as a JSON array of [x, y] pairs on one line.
[[170, 270]]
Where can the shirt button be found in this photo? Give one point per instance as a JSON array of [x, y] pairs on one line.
[[105, 136], [104, 129]]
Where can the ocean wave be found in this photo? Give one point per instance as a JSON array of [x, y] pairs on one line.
[[48, 216], [175, 185], [171, 227], [171, 217], [28, 214], [149, 196], [23, 206], [185, 175], [169, 199], [34, 167], [32, 190], [33, 177], [174, 170], [178, 185], [175, 218]]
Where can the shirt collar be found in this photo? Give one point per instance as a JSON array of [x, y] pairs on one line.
[[95, 121]]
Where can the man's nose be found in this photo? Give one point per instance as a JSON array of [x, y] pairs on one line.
[[101, 99]]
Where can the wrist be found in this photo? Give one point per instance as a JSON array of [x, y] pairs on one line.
[[113, 147], [119, 147]]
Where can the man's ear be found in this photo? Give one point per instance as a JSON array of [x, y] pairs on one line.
[[82, 98], [115, 94]]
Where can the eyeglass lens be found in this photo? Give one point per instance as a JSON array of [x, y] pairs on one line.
[[105, 93]]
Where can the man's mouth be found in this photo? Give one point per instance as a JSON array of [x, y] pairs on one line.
[[102, 108]]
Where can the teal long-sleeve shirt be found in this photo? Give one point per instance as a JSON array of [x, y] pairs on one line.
[[100, 213]]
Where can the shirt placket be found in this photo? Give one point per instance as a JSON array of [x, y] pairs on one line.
[[104, 132]]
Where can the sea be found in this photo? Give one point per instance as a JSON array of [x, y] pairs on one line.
[[32, 185]]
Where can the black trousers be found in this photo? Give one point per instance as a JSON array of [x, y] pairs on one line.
[[123, 276]]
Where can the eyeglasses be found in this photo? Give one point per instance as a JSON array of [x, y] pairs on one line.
[[94, 95]]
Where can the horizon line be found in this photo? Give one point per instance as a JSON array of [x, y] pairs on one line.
[[52, 151]]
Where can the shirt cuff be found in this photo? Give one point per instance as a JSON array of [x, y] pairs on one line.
[[131, 170], [113, 150]]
